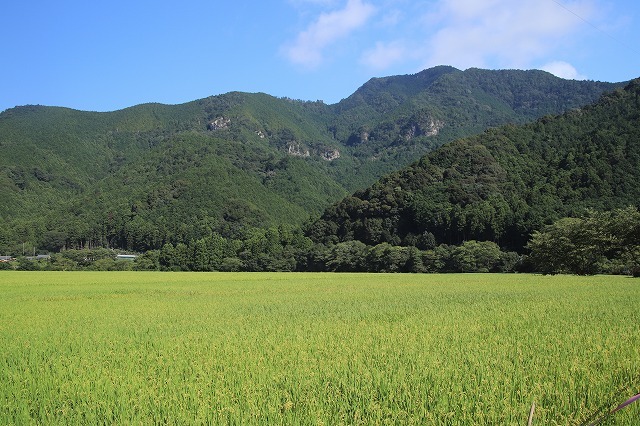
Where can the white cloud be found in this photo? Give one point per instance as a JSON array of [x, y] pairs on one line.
[[563, 70], [308, 48], [463, 33], [391, 18], [383, 55], [500, 33]]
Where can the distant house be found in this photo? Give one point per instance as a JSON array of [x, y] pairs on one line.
[[39, 257], [5, 259], [129, 257]]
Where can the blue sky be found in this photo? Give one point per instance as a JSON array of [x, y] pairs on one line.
[[104, 56]]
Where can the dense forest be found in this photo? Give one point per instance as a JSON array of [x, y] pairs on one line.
[[597, 242], [503, 185], [229, 182], [153, 174]]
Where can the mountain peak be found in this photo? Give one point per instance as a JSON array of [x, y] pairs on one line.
[[138, 177]]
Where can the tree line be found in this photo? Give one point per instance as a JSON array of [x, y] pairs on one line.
[[597, 242]]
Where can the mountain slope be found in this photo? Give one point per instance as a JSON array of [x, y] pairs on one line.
[[503, 184], [392, 121], [150, 174], [91, 176]]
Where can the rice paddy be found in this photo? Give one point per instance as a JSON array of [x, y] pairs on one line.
[[316, 349]]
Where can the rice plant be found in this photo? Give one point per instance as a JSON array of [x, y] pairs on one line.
[[288, 348]]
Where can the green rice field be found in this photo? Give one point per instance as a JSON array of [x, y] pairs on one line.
[[316, 349]]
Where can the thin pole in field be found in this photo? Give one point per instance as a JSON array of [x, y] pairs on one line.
[[533, 408]]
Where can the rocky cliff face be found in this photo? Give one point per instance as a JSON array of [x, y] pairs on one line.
[[330, 154], [219, 123], [297, 150], [427, 127]]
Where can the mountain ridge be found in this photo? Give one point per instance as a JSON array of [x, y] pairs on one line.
[[503, 184], [92, 175]]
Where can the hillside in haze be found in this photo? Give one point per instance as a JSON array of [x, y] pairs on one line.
[[503, 184], [151, 174]]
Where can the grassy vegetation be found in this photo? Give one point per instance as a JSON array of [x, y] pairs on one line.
[[189, 348]]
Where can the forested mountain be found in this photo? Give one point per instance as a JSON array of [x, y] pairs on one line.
[[154, 173], [392, 121], [151, 174], [503, 184]]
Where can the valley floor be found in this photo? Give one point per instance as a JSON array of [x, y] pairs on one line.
[[307, 348]]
